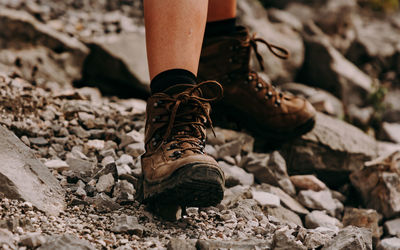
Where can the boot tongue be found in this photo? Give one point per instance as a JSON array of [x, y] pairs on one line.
[[177, 89]]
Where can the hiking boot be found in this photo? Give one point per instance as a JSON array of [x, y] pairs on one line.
[[262, 108], [176, 170]]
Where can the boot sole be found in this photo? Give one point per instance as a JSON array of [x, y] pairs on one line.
[[194, 185], [275, 138]]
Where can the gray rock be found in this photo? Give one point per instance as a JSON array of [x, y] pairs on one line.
[[119, 62], [80, 191], [391, 132], [233, 194], [321, 219], [131, 137], [392, 227], [284, 239], [333, 147], [249, 244], [254, 16], [32, 240], [379, 184], [231, 148], [337, 75], [180, 244], [128, 224], [87, 119], [265, 199], [55, 56], [389, 244], [269, 169], [105, 183], [315, 239], [284, 215], [78, 165], [229, 140], [103, 203], [376, 41], [94, 145], [124, 191], [135, 149], [39, 141], [286, 200], [6, 238], [360, 116], [321, 200], [66, 242], [351, 238], [124, 169], [24, 177], [80, 132], [108, 160], [235, 175], [57, 164], [247, 209], [125, 160], [280, 16]]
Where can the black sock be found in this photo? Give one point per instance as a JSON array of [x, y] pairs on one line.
[[222, 27], [171, 77]]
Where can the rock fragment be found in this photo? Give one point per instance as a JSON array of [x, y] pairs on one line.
[[66, 242], [321, 219], [24, 177], [128, 224], [235, 175], [379, 184], [351, 238], [392, 227], [180, 244], [243, 244], [105, 183], [57, 164], [333, 148], [321, 200], [32, 240], [389, 244]]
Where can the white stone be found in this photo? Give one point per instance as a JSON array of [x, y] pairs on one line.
[[266, 199], [57, 164]]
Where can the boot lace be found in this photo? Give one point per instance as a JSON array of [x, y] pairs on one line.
[[271, 92], [187, 117]]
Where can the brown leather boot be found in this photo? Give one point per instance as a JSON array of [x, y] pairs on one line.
[[176, 169], [264, 110]]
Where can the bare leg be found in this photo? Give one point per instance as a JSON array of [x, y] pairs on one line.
[[221, 9], [174, 34]]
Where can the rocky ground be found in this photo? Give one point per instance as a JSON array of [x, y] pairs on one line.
[[71, 155]]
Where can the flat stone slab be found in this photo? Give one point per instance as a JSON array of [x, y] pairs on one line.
[[332, 149], [24, 177]]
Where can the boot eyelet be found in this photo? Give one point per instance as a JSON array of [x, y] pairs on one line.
[[259, 85], [176, 154], [269, 94], [278, 103], [157, 103], [250, 77], [155, 119]]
